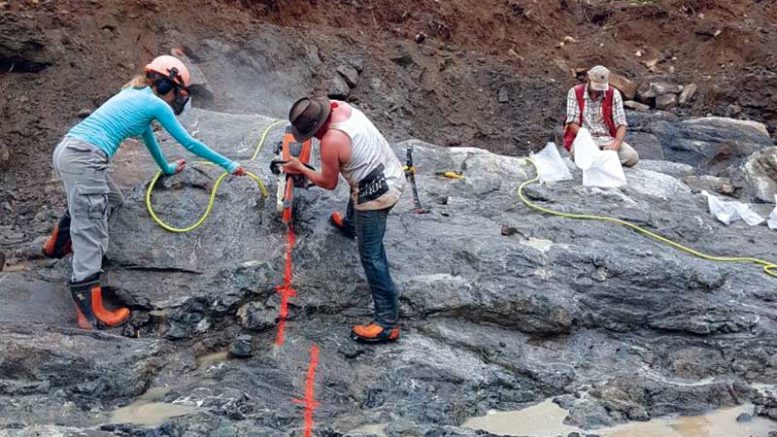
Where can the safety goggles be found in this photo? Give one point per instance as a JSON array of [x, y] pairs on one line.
[[182, 97]]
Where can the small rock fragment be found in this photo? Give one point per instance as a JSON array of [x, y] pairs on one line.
[[733, 110], [420, 38], [666, 101], [241, 347], [503, 95], [744, 417], [84, 113], [508, 231], [687, 94], [635, 106], [5, 155]]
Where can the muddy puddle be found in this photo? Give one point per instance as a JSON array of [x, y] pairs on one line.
[[209, 360], [148, 411], [378, 430], [546, 420]]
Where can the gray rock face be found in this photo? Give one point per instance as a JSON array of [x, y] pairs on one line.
[[711, 144], [628, 328]]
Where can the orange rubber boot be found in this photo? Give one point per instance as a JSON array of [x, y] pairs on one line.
[[81, 320], [374, 333], [90, 311], [106, 316], [59, 245]]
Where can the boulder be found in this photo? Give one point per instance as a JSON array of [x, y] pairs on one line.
[[350, 74], [626, 86], [761, 174], [241, 347], [666, 101], [337, 88], [711, 144], [199, 83], [651, 90]]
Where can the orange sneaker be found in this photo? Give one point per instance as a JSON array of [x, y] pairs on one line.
[[337, 220], [374, 333]]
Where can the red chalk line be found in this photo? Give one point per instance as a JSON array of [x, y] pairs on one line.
[[310, 402]]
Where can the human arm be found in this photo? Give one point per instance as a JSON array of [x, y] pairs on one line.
[[327, 178], [156, 152], [573, 112], [619, 119], [164, 114]]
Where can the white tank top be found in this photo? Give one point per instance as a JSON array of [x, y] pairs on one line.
[[374, 172]]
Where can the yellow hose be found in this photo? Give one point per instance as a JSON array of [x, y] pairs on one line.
[[213, 191], [770, 268]]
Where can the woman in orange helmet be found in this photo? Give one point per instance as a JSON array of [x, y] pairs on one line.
[[82, 159]]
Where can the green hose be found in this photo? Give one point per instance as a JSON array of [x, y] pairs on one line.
[[770, 268], [213, 191]]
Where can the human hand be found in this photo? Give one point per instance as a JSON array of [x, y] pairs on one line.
[[293, 165], [239, 171], [614, 146], [180, 166]]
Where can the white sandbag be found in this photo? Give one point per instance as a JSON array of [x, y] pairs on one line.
[[772, 222], [601, 168], [550, 165], [728, 212]]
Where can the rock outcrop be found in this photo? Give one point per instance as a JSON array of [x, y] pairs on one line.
[[618, 326]]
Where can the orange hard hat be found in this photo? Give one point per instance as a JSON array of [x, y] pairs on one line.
[[165, 64]]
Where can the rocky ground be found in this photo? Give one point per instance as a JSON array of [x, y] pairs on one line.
[[503, 307]]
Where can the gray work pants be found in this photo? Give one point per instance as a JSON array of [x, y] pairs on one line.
[[91, 197]]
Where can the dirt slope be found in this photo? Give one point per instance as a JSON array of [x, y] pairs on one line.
[[62, 58]]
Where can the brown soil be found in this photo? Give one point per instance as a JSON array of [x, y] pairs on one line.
[[59, 58]]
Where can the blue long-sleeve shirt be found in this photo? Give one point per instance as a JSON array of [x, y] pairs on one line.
[[129, 114]]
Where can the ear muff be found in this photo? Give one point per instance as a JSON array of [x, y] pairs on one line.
[[164, 85]]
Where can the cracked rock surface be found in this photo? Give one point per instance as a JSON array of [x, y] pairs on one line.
[[614, 326]]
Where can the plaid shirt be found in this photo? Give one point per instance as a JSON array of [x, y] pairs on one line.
[[593, 120]]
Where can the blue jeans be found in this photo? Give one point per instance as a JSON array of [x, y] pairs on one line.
[[369, 227]]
